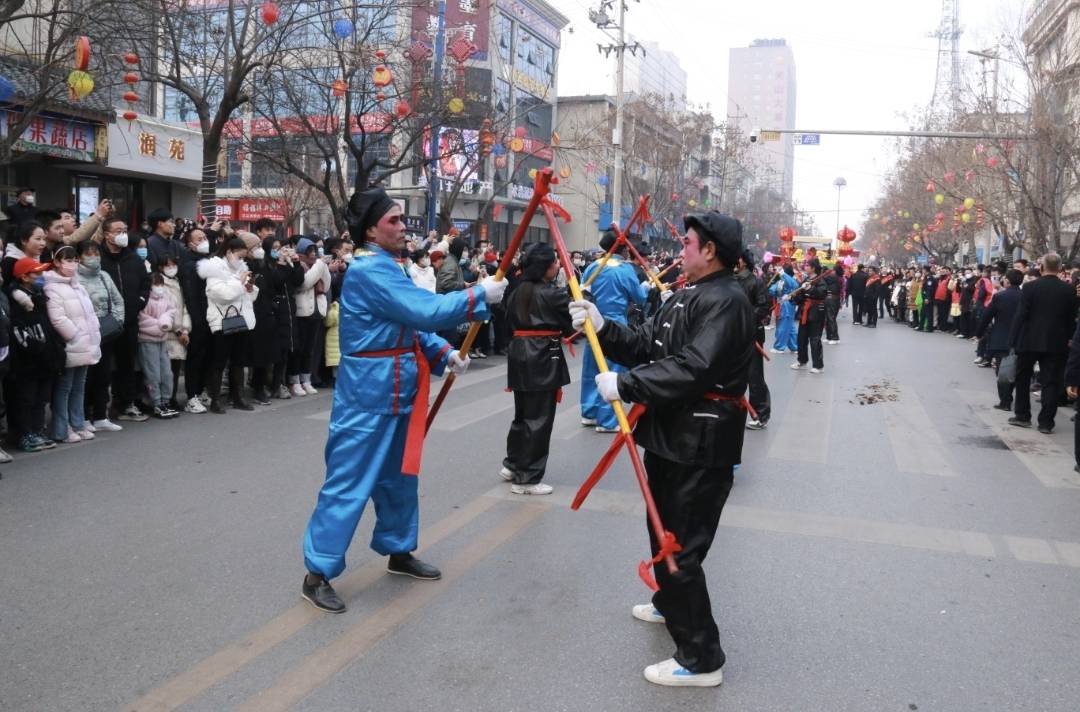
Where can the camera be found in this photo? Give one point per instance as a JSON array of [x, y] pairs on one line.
[[754, 133]]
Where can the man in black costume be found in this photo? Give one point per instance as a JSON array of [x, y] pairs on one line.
[[689, 365]]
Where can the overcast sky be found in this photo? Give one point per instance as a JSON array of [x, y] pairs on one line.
[[859, 65]]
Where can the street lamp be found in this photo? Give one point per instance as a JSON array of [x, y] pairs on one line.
[[840, 184]]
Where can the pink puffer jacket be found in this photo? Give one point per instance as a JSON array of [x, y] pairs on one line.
[[72, 315], [156, 318]]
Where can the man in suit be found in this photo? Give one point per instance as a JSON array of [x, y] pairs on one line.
[[1040, 334], [1001, 313], [856, 287]]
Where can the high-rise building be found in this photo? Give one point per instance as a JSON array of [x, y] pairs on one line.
[[761, 95], [652, 70]]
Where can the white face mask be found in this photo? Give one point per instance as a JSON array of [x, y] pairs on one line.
[[465, 255], [425, 262], [158, 291], [30, 199], [203, 248], [348, 257], [234, 261], [121, 240], [258, 253], [170, 271]]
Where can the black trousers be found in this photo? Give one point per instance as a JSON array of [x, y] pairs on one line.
[[200, 357], [98, 380], [690, 500], [927, 314], [300, 359], [1004, 390], [529, 439], [125, 355], [856, 309], [759, 390], [832, 308], [943, 315], [1076, 433], [810, 335], [870, 308], [1051, 374], [32, 392]]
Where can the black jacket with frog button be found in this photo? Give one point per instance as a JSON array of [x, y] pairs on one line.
[[701, 341], [537, 363]]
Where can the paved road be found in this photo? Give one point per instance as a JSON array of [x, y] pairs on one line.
[[910, 553]]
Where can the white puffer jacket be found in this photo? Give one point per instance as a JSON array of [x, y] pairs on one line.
[[72, 315], [305, 296], [224, 289]]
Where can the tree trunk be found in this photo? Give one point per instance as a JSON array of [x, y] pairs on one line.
[[208, 188]]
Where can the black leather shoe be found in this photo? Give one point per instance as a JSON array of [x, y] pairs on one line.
[[1045, 429], [322, 595], [1020, 423], [241, 404], [409, 565], [216, 406], [1003, 406]]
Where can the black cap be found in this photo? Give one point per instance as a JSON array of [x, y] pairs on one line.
[[609, 238], [158, 215], [723, 231], [366, 209]]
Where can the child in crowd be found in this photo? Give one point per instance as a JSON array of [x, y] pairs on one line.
[[37, 355], [176, 342], [155, 323]]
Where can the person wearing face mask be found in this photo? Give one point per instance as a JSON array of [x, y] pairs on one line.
[[450, 277], [109, 307], [179, 336], [128, 271], [263, 349], [29, 241], [281, 275], [311, 306], [72, 315], [23, 209], [200, 346], [230, 291], [155, 323], [421, 272]]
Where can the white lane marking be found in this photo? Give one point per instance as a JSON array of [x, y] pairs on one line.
[[916, 444]]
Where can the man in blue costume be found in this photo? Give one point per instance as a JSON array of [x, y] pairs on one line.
[[612, 291], [786, 332], [388, 351]]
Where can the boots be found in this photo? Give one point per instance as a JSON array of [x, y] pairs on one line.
[[213, 387], [236, 388]]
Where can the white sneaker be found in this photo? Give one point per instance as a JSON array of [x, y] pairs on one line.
[[297, 390], [752, 424], [672, 674], [816, 370], [647, 612], [107, 425], [776, 351], [540, 488], [195, 406], [72, 437], [588, 422], [309, 389], [86, 434], [90, 426], [797, 366], [506, 474], [602, 429]]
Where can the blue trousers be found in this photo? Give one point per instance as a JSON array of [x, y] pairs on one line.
[[592, 405], [363, 461], [787, 334], [67, 402]]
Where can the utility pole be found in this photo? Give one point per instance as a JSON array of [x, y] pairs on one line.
[[433, 153], [840, 184], [984, 56], [603, 21]]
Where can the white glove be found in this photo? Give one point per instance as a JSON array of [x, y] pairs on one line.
[[608, 386], [666, 295], [457, 364], [647, 285], [493, 289], [582, 310], [786, 298]]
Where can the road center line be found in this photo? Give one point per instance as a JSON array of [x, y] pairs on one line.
[[322, 665], [187, 685]]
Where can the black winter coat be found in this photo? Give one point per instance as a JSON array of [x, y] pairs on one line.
[[193, 288], [816, 297], [273, 333], [701, 341], [537, 363], [1046, 317], [758, 296], [1001, 312], [128, 272], [856, 284], [35, 345], [1072, 366]]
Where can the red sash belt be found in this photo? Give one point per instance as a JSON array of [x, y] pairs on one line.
[[741, 401], [536, 332], [414, 440], [806, 309]]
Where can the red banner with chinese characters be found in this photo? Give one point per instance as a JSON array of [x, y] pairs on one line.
[[252, 209], [226, 210], [466, 18], [53, 136]]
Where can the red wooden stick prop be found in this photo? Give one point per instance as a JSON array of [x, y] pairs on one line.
[[541, 187], [641, 212], [668, 545]]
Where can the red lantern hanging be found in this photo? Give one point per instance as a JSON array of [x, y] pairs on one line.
[[131, 97], [787, 234], [991, 162], [980, 214], [380, 97], [82, 53], [270, 12], [131, 78], [382, 76], [131, 58], [969, 175], [380, 53], [130, 116], [339, 87], [402, 109], [950, 177], [931, 187]]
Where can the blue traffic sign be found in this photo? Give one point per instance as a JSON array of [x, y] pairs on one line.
[[807, 139]]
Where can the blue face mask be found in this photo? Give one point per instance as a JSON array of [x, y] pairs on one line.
[[274, 254], [322, 253], [39, 283], [141, 252], [463, 262]]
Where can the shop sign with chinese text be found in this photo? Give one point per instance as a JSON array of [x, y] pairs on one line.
[[55, 136], [156, 149]]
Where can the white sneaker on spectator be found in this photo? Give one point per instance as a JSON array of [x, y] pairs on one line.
[[506, 474], [309, 389], [297, 390], [4, 457], [796, 366], [816, 370], [647, 612], [86, 434], [72, 437], [283, 392], [195, 406], [672, 674], [107, 425], [90, 426], [133, 413], [588, 422], [539, 488]]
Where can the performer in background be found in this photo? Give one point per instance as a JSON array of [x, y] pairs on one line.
[[856, 286], [759, 299], [536, 368], [689, 366], [613, 290], [380, 400], [834, 285], [786, 333], [809, 298], [870, 298]]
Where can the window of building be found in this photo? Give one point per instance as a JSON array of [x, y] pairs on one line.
[[233, 174], [504, 36]]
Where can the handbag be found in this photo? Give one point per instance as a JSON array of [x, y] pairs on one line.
[[232, 323], [1007, 369], [109, 325]]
